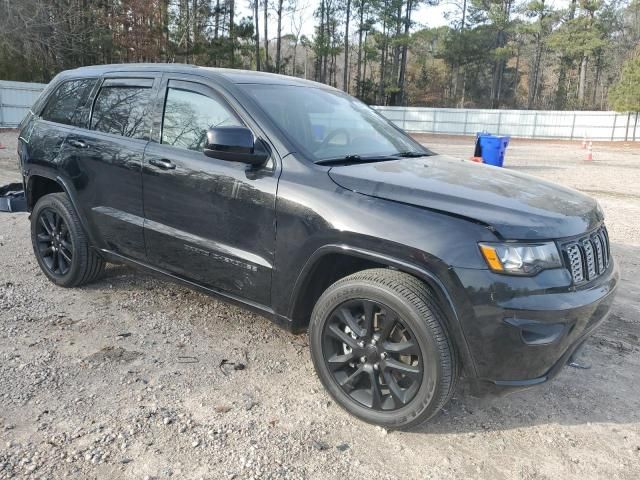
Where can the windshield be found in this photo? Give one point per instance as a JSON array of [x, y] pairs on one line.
[[325, 124]]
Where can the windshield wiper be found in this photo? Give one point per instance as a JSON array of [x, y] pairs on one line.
[[357, 159], [412, 154]]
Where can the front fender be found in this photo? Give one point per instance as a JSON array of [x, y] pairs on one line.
[[316, 217], [441, 284]]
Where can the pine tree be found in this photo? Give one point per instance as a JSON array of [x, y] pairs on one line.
[[625, 94]]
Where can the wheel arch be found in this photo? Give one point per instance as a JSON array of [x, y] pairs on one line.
[[38, 186], [313, 280], [42, 182]]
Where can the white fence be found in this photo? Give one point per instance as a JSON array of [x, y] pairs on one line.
[[17, 97], [15, 100], [517, 123]]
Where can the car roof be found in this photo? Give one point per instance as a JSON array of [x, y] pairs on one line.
[[231, 75]]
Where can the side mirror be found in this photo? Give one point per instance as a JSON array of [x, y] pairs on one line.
[[234, 144]]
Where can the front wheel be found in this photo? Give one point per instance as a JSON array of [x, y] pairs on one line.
[[379, 347]]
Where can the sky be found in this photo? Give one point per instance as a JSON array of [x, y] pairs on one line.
[[424, 16]]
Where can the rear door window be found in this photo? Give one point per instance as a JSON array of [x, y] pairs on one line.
[[188, 115], [120, 108], [67, 104]]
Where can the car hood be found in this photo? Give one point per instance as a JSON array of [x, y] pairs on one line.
[[517, 206]]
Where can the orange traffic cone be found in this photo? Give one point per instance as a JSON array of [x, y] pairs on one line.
[[589, 156]]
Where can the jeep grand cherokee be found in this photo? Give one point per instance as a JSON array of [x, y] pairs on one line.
[[411, 270]]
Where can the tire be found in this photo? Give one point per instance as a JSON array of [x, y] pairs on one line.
[[424, 378], [70, 243]]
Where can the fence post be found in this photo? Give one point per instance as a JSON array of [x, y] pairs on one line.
[[1, 110], [626, 131], [433, 123], [404, 118], [499, 121], [466, 119], [613, 130], [573, 125], [535, 124]]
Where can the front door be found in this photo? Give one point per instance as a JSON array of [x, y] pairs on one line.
[[207, 220]]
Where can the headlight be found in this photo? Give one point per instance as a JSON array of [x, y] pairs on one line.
[[520, 258]]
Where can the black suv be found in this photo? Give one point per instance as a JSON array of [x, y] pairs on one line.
[[410, 270]]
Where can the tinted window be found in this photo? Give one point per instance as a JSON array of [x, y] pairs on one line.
[[121, 110], [188, 116], [328, 124], [66, 104]]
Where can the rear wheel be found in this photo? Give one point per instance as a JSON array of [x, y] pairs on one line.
[[379, 347], [60, 243]]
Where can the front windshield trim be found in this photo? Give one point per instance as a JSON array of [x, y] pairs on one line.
[[374, 135]]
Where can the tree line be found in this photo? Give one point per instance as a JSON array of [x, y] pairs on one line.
[[492, 54]]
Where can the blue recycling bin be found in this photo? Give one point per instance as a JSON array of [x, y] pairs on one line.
[[493, 148]]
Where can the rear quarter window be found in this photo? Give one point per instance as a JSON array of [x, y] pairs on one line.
[[67, 104]]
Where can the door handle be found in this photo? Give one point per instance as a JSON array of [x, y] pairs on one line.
[[163, 163], [77, 143]]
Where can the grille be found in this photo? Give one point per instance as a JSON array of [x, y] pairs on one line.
[[588, 257]]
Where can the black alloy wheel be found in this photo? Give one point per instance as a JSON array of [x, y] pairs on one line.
[[372, 354], [54, 242], [380, 348], [60, 243]]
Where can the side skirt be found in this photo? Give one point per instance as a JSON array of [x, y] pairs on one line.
[[260, 309]]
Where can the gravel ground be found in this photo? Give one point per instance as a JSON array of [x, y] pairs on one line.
[[123, 378], [8, 158]]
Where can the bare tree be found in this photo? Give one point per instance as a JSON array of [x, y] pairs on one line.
[[297, 21], [256, 20], [266, 34], [345, 79], [279, 34]]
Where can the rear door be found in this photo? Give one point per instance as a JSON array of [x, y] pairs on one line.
[[207, 220], [108, 162]]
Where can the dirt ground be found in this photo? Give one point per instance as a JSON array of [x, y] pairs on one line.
[[8, 157], [122, 378]]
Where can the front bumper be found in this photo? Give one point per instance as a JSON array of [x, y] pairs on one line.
[[521, 331]]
